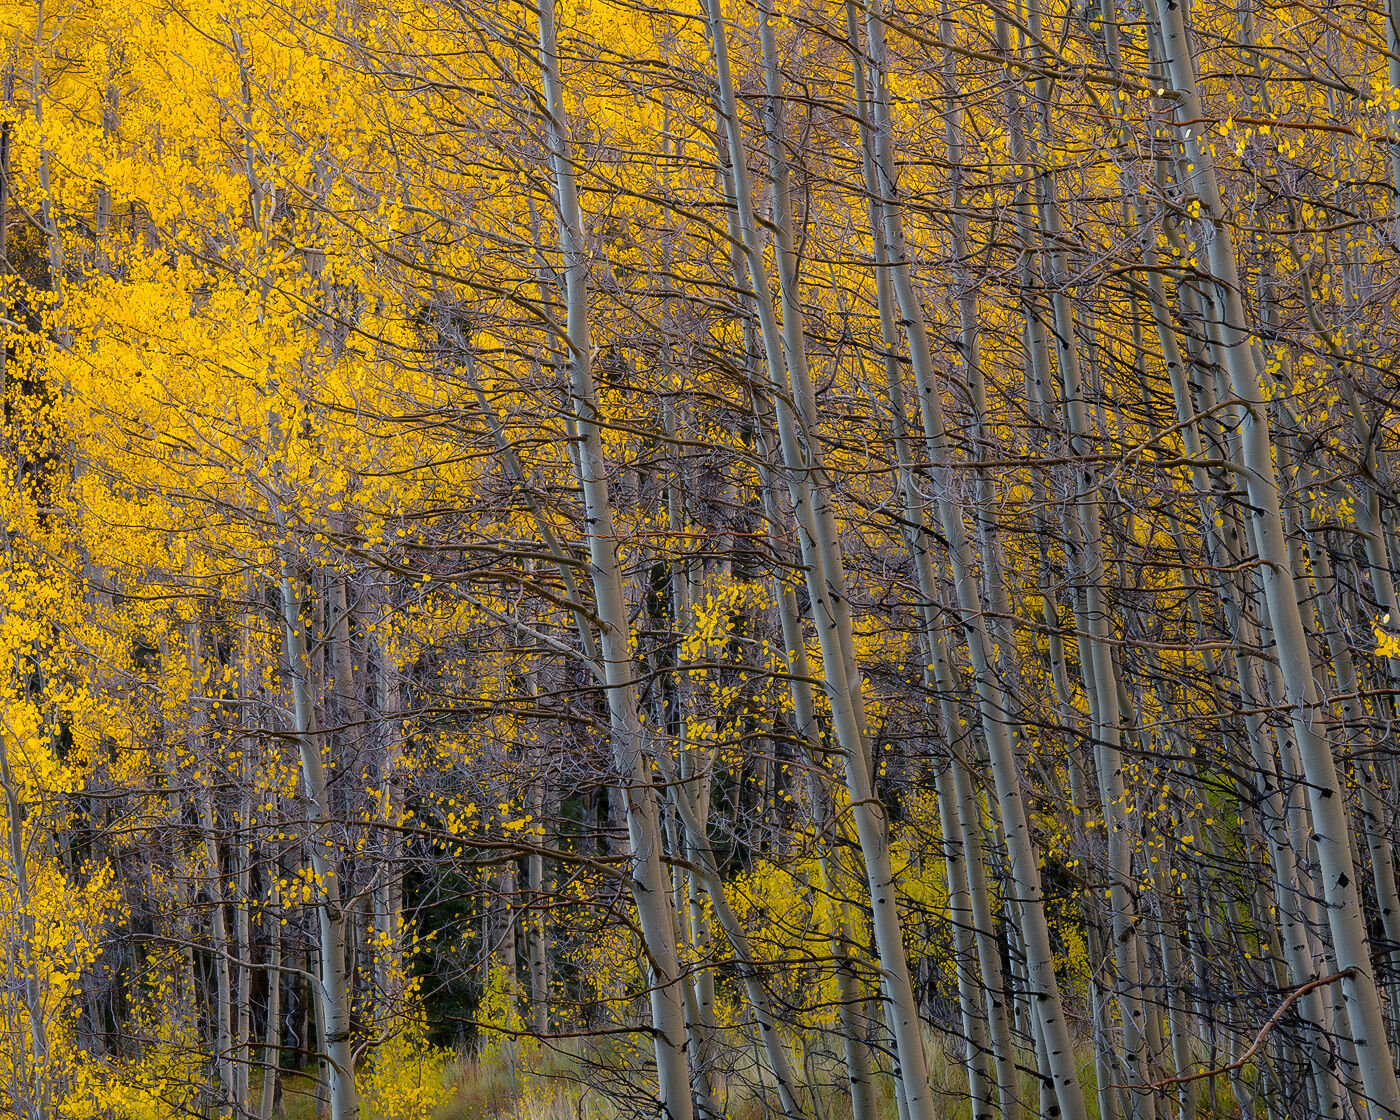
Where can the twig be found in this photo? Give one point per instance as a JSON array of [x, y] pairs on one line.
[[1274, 1019]]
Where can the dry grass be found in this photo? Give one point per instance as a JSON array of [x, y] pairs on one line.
[[524, 1083], [520, 1085]]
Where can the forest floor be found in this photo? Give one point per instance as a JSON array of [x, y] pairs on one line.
[[506, 1086], [495, 1089]]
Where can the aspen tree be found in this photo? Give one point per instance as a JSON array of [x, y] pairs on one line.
[[1325, 794], [785, 356], [652, 899], [1024, 869], [592, 460], [333, 986]]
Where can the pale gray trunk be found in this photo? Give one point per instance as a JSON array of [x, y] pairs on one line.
[[1375, 813], [690, 800], [1374, 810], [243, 990], [859, 1066], [962, 830], [1326, 793], [1227, 544], [1095, 650], [333, 990], [691, 912], [1178, 1022], [225, 1057], [219, 942], [30, 1096], [707, 871], [388, 892], [992, 701], [787, 369], [272, 1034], [1224, 544], [649, 879], [973, 934], [960, 915], [536, 929]]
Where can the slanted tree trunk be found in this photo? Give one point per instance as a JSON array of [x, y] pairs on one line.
[[1327, 795], [993, 705], [650, 894]]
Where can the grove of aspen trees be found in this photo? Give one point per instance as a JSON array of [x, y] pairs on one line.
[[700, 560]]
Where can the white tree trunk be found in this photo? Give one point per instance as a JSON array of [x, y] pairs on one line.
[[333, 990], [1326, 793], [785, 355], [650, 893]]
